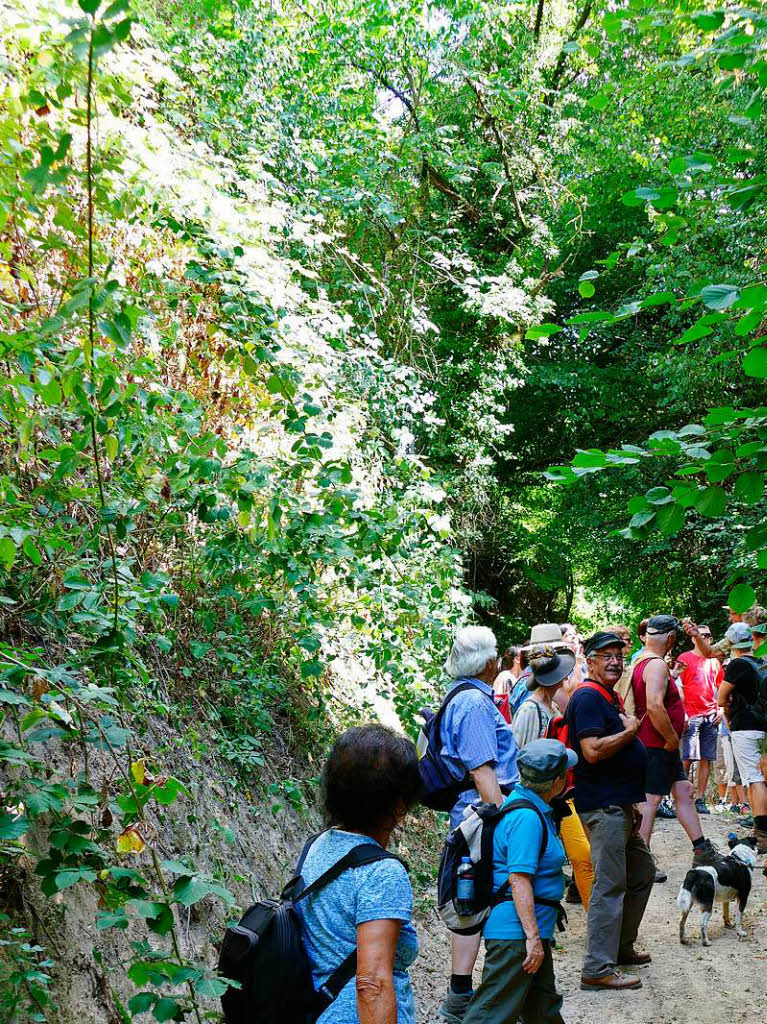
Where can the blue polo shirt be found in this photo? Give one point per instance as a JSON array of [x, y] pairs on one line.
[[516, 848], [473, 733]]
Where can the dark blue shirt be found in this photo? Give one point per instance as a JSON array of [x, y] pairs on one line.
[[616, 780]]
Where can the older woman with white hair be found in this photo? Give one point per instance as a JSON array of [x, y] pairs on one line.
[[478, 746]]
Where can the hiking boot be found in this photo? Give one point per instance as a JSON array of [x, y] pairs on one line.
[[660, 876], [665, 810], [706, 855], [700, 806], [454, 1008], [746, 822], [761, 840], [633, 958], [572, 895], [611, 981], [735, 809]]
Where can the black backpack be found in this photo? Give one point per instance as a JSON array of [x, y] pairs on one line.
[[759, 705], [439, 787], [473, 838], [265, 953]]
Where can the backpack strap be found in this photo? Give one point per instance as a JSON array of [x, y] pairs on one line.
[[364, 853], [611, 696], [461, 688], [515, 805]]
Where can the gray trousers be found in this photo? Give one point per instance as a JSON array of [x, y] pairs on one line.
[[624, 872], [508, 993]]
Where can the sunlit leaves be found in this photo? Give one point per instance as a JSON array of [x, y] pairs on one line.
[[754, 363]]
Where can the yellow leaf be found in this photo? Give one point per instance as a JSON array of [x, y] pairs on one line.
[[110, 446], [130, 841], [138, 771]]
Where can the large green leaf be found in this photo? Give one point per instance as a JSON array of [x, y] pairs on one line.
[[755, 362], [711, 502], [741, 598], [720, 296]]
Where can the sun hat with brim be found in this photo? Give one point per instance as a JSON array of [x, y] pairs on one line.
[[740, 636], [545, 633], [600, 640], [545, 760], [549, 666]]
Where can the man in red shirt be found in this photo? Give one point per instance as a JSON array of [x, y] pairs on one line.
[[699, 678], [661, 712]]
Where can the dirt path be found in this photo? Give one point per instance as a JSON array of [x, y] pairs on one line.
[[725, 983]]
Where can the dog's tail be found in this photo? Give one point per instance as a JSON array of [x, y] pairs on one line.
[[684, 900]]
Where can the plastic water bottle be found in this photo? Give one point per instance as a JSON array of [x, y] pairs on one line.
[[464, 888]]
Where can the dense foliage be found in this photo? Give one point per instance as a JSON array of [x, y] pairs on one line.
[[322, 323]]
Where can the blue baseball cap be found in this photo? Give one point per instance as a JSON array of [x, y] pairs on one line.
[[545, 760]]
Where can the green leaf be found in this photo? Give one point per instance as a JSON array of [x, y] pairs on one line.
[[741, 598], [211, 987], [32, 551], [708, 21], [12, 827], [711, 502], [749, 487], [142, 1002], [11, 697], [587, 289], [698, 330], [641, 519], [89, 6], [756, 537], [190, 889], [670, 519], [719, 296], [166, 1009], [754, 364], [542, 331], [7, 552]]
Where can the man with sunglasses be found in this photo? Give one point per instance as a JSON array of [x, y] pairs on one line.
[[661, 711], [699, 677]]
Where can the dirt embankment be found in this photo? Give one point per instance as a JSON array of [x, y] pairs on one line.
[[726, 982]]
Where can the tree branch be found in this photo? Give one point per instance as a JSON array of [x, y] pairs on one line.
[[538, 20], [561, 63], [498, 136]]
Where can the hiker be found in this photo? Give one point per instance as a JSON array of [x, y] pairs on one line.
[[699, 677], [518, 976], [623, 686], [661, 712], [512, 665], [609, 782], [736, 695], [369, 784], [550, 669], [476, 740]]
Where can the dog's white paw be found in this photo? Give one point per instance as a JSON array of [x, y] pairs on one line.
[[742, 935], [707, 942]]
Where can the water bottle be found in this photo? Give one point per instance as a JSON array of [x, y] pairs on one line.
[[464, 888]]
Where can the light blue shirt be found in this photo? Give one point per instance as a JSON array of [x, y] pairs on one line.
[[329, 918], [473, 733], [516, 849]]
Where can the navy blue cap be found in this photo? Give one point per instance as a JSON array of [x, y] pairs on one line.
[[545, 760]]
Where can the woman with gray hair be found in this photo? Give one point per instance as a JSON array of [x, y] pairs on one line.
[[478, 747]]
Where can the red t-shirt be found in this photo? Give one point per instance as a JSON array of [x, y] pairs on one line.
[[700, 682], [672, 702]]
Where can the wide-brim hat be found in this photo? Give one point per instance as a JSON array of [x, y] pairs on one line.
[[549, 666], [544, 633]]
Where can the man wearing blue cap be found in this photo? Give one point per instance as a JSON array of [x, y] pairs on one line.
[[518, 976]]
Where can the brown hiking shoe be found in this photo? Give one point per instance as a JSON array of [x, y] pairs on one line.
[[706, 855], [761, 840], [614, 981], [633, 958]]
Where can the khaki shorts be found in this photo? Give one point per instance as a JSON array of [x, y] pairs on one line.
[[745, 747]]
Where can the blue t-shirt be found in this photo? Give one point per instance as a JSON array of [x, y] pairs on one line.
[[373, 892], [474, 732], [516, 848], [616, 780]]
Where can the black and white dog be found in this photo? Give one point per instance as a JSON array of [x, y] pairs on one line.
[[729, 880]]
